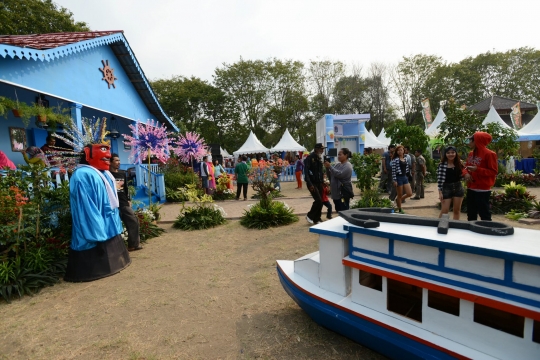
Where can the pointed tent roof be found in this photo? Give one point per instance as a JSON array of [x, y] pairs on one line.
[[372, 133], [531, 131], [224, 152], [372, 141], [287, 143], [493, 117], [251, 146], [433, 130], [382, 138]]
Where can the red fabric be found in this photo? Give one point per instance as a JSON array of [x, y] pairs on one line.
[[485, 160], [5, 162], [324, 196], [299, 179]]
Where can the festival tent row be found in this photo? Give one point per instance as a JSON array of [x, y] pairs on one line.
[[372, 141]]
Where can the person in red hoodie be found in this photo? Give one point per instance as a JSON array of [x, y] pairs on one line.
[[482, 169]]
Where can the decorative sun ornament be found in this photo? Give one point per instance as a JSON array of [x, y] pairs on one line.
[[190, 146], [108, 74], [152, 138]]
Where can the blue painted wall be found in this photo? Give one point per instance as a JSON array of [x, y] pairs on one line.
[[73, 78]]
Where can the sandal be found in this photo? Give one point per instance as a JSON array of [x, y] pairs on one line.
[[135, 248]]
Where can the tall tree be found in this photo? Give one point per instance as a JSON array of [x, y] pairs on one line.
[[351, 95], [460, 123], [247, 84], [323, 76], [21, 17], [379, 92], [408, 80], [288, 104]]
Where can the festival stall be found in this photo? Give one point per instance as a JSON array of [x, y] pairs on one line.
[[342, 131], [382, 138], [251, 146]]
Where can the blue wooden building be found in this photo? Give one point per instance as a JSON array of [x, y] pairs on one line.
[[87, 73]]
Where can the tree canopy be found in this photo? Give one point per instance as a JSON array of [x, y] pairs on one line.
[[23, 17]]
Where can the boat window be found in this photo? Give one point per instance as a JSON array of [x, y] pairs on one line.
[[404, 299], [536, 331], [371, 280], [442, 302], [499, 319]]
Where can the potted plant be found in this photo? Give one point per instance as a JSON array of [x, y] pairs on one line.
[[20, 109], [42, 112], [58, 115]]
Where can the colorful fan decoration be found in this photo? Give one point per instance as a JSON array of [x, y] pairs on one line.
[[191, 146], [152, 139], [94, 132]]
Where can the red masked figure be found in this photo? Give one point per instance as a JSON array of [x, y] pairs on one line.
[[98, 156], [97, 249]]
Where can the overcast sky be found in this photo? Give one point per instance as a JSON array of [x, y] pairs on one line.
[[192, 38]]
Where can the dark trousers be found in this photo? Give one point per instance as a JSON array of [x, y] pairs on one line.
[[341, 204], [328, 206], [316, 208], [131, 222], [239, 187], [478, 204], [419, 182]]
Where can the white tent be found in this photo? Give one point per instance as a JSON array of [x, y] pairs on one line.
[[493, 117], [433, 130], [382, 138], [372, 141], [372, 133], [224, 152], [531, 131], [251, 146], [287, 143]]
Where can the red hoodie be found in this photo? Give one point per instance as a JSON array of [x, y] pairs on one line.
[[485, 160]]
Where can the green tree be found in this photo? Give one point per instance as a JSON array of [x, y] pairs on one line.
[[323, 76], [195, 105], [504, 142], [460, 123], [21, 17], [379, 92], [407, 135], [408, 80], [247, 83]]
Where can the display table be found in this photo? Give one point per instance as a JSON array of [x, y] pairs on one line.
[[526, 165]]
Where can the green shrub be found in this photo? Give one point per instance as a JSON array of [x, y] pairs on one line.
[[366, 167], [202, 215], [502, 203], [264, 215], [371, 198]]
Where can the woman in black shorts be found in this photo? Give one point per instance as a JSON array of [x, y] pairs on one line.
[[449, 175]]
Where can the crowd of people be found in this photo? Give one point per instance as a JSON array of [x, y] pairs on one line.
[[402, 176]]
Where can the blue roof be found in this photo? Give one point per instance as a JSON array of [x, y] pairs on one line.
[[47, 50]]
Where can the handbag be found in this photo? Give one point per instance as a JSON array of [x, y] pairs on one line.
[[345, 192]]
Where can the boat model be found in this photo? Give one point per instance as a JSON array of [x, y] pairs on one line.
[[415, 288]]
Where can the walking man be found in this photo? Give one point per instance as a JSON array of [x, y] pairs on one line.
[[204, 174], [313, 176], [127, 215], [240, 171], [482, 168], [419, 175]]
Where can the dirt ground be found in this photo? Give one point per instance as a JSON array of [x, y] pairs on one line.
[[211, 294]]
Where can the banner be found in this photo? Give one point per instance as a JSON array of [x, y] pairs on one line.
[[426, 113], [515, 115]]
